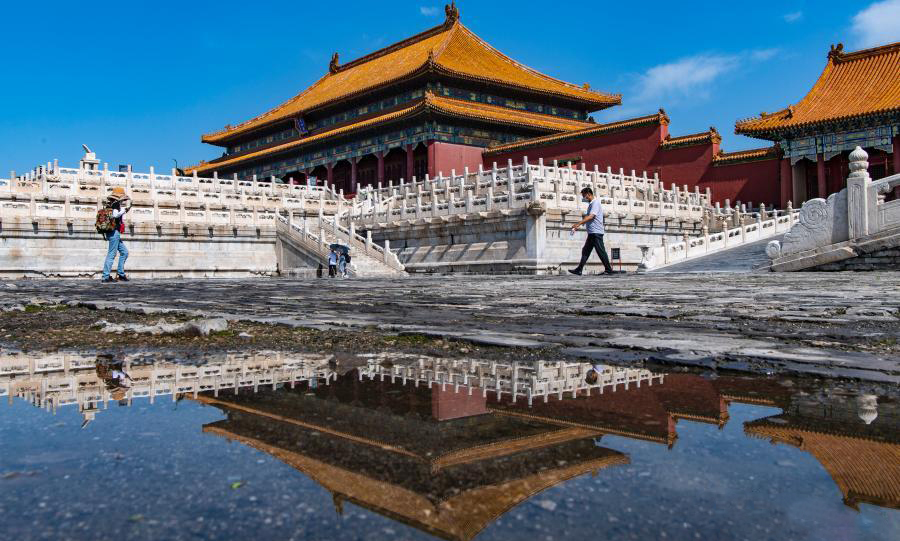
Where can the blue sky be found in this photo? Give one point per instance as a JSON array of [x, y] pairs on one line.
[[140, 81]]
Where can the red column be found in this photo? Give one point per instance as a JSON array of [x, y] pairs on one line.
[[352, 188], [380, 174], [329, 179], [432, 158], [820, 176], [410, 165], [896, 154], [787, 182]]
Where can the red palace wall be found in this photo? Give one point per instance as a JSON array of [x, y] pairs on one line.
[[757, 182], [639, 149], [445, 157], [683, 165]]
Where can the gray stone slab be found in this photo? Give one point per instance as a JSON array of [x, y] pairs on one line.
[[811, 322]]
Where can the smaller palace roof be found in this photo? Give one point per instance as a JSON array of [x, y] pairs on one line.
[[752, 155], [853, 85], [591, 130], [431, 103], [450, 49], [711, 136]]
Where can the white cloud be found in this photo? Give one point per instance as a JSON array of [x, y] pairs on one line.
[[792, 17], [691, 77], [688, 76], [877, 24], [761, 55], [429, 11]]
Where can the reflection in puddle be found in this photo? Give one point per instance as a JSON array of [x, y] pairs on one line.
[[449, 447]]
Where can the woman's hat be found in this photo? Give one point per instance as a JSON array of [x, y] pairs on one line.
[[118, 193]]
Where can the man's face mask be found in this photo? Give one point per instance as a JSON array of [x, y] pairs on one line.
[[584, 199]]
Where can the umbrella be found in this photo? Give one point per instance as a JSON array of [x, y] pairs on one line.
[[339, 248]]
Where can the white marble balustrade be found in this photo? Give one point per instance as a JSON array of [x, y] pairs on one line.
[[528, 380], [764, 227], [58, 379]]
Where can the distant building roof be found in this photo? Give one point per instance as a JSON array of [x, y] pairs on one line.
[[853, 85], [450, 49]]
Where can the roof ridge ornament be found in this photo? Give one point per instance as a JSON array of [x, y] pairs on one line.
[[452, 13], [663, 116], [836, 52], [335, 64]]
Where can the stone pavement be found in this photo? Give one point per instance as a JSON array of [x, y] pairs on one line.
[[835, 324]]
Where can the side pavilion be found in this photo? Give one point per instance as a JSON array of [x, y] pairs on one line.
[[855, 102]]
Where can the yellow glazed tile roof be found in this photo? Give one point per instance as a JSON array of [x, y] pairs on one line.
[[439, 105], [591, 130], [702, 138], [767, 153], [854, 84], [466, 54], [450, 48], [496, 113], [380, 119], [864, 470]]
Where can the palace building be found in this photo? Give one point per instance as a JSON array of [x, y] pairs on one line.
[[445, 100], [855, 102], [426, 104]]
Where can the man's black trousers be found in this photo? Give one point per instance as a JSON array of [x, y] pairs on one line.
[[593, 242]]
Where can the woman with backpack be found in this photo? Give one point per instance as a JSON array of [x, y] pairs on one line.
[[111, 224]]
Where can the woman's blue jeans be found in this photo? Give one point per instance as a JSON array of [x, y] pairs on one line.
[[116, 245]]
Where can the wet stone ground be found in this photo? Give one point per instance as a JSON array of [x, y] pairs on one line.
[[840, 324], [729, 407]]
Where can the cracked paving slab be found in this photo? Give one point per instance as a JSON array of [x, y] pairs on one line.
[[839, 324]]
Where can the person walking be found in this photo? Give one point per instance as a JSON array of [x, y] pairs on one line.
[[347, 260], [332, 263], [342, 264], [119, 204], [594, 220]]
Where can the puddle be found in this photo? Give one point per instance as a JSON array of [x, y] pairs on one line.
[[293, 446]]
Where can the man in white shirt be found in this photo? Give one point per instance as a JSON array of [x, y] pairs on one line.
[[594, 241], [332, 264]]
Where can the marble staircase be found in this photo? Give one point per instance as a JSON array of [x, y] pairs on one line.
[[313, 236]]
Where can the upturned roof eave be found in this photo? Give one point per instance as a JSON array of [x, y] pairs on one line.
[[777, 133], [303, 142], [222, 138]]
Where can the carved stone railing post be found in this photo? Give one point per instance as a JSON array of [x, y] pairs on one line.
[[858, 194]]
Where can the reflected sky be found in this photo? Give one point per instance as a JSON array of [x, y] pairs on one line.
[[430, 448]]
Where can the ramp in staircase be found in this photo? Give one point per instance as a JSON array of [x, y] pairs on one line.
[[307, 245], [742, 258]]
